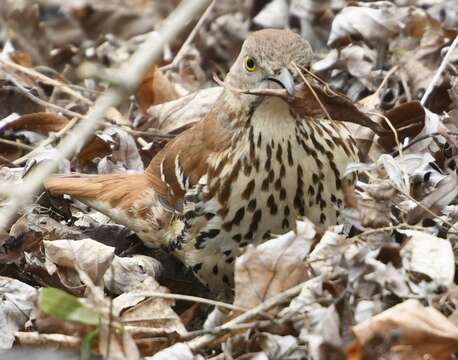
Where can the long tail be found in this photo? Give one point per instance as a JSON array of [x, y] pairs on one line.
[[127, 199]]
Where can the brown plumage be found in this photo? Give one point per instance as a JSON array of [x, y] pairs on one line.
[[246, 171]]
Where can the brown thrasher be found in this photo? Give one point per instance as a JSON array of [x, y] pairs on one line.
[[246, 171]]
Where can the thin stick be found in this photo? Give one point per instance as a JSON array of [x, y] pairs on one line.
[[180, 54], [386, 228], [132, 73], [49, 140], [429, 211], [439, 71], [204, 340], [312, 91], [390, 125], [42, 102], [195, 299], [17, 144], [47, 80], [385, 79]]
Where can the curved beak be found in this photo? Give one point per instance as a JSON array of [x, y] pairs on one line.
[[285, 79]]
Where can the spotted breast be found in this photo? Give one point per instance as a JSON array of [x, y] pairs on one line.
[[278, 167]]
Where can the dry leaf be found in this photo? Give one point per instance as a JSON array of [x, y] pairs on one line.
[[372, 24], [126, 273], [429, 255], [445, 192], [155, 89], [88, 255], [274, 15], [40, 122], [422, 330], [16, 305], [184, 111], [272, 267], [179, 351], [124, 156], [140, 310]]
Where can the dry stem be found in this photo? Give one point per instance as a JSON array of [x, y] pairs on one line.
[[204, 340]]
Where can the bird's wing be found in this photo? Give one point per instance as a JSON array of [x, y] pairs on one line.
[[179, 166], [147, 202]]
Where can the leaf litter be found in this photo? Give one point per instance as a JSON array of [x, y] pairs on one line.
[[380, 286]]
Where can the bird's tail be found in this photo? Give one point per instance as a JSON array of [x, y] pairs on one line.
[[127, 199]]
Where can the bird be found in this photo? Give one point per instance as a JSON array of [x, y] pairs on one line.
[[243, 174]]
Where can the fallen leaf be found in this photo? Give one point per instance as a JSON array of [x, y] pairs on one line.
[[426, 254], [155, 89], [272, 267], [124, 156], [87, 255], [65, 306], [126, 273], [136, 309], [274, 15], [187, 110], [40, 122], [179, 351], [16, 305], [372, 24], [422, 330]]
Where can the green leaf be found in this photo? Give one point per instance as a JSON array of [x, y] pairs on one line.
[[86, 345], [64, 306]]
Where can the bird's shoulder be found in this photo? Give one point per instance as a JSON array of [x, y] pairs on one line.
[[185, 159]]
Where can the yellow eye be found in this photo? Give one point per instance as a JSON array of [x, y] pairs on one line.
[[249, 64]]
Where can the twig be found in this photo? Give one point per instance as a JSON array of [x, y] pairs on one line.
[[204, 340], [392, 128], [386, 228], [439, 71], [196, 299], [49, 140], [385, 79], [180, 54], [47, 80], [42, 102], [425, 208], [132, 73], [313, 92], [17, 144]]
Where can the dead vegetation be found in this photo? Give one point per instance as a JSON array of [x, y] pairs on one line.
[[380, 287]]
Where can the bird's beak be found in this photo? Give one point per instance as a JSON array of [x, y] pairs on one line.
[[285, 79]]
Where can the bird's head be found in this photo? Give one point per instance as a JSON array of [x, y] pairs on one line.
[[265, 61]]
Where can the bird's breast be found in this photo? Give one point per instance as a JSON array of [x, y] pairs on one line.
[[281, 168]]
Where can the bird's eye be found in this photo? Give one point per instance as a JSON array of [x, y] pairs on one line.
[[249, 64]]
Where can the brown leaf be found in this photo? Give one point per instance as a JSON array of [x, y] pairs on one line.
[[40, 122], [339, 107], [272, 267], [408, 119], [27, 234], [96, 147], [154, 89], [422, 330]]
